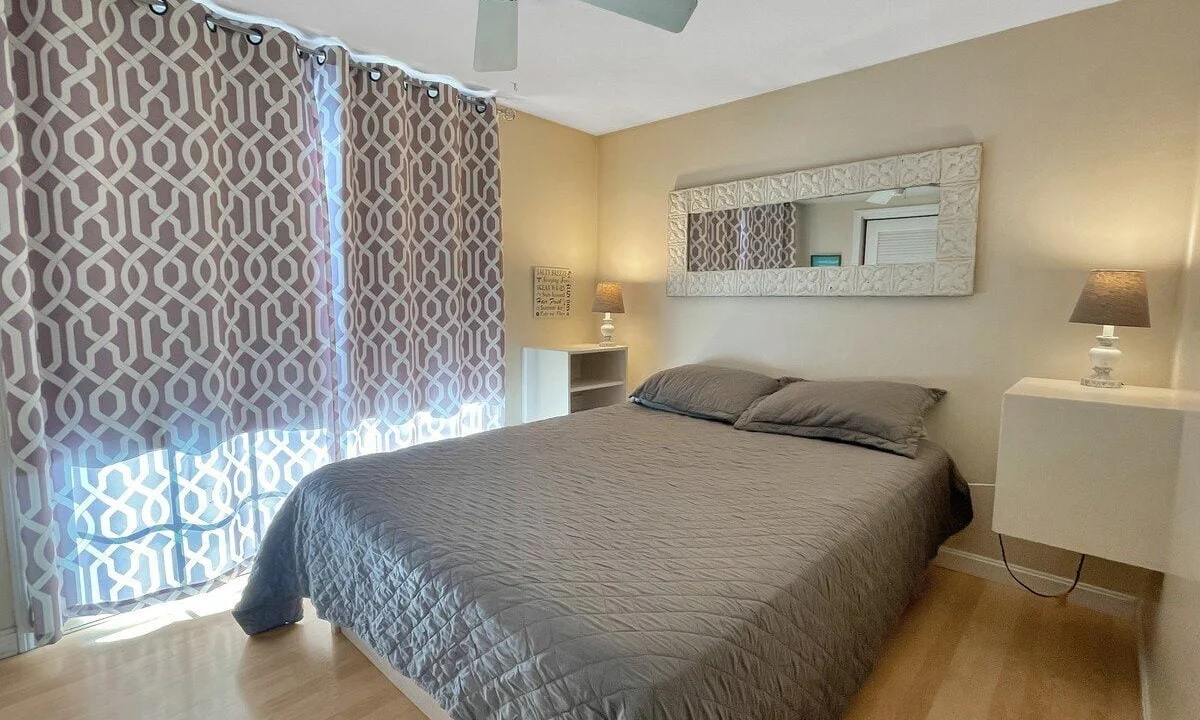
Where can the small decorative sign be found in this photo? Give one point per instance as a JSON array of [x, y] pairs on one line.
[[551, 292], [834, 260]]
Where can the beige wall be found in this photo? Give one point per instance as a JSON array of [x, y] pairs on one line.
[[825, 228], [550, 201], [1173, 638], [1187, 351], [1089, 126], [1173, 623]]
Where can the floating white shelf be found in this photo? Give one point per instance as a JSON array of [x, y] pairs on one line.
[[571, 378], [1092, 470]]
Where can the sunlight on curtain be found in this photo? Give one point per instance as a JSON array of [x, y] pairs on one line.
[[276, 263], [188, 522]]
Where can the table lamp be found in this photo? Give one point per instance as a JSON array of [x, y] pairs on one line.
[[608, 301], [1111, 298]]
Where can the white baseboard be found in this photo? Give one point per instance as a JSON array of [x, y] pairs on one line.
[[8, 643], [1096, 598]]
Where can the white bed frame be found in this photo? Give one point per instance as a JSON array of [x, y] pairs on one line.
[[423, 700]]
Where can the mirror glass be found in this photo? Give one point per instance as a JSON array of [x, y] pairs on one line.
[[882, 227]]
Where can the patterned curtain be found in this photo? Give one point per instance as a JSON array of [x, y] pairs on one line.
[[768, 237], [752, 238], [713, 240], [224, 265], [402, 164]]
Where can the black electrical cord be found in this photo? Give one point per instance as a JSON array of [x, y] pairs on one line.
[[1078, 572]]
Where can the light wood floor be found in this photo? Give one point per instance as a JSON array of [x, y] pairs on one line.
[[966, 650]]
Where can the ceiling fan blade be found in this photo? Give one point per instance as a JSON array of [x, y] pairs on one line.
[[883, 197], [670, 15], [496, 36]]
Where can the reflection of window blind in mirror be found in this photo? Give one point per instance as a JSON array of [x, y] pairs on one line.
[[893, 241]]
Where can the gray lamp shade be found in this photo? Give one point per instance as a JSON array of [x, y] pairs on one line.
[[1114, 297], [608, 298]]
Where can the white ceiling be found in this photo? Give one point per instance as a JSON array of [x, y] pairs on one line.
[[599, 72]]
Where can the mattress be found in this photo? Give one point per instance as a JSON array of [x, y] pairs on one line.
[[623, 563]]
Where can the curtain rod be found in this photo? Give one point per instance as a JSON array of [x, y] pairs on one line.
[[243, 22], [321, 56], [431, 88], [255, 36]]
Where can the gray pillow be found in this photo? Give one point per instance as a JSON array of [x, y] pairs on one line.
[[704, 391], [878, 414]]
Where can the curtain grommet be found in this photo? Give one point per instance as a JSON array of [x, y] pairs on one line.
[[159, 7]]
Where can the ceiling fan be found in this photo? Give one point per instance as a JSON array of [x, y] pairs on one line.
[[496, 26]]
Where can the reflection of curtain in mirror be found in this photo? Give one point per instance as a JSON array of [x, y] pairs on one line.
[[713, 240], [767, 236], [753, 238]]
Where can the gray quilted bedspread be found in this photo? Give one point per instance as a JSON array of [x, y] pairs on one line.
[[622, 563]]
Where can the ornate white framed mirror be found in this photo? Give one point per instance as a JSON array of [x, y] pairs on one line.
[[898, 226]]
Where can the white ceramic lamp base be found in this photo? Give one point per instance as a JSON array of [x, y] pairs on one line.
[[606, 331], [1104, 356]]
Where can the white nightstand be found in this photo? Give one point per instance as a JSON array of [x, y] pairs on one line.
[[571, 378], [1089, 469]]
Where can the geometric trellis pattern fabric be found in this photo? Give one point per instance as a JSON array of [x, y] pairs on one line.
[[222, 265], [713, 240], [402, 165], [752, 238], [768, 235]]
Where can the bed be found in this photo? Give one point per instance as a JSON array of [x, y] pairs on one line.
[[623, 563]]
